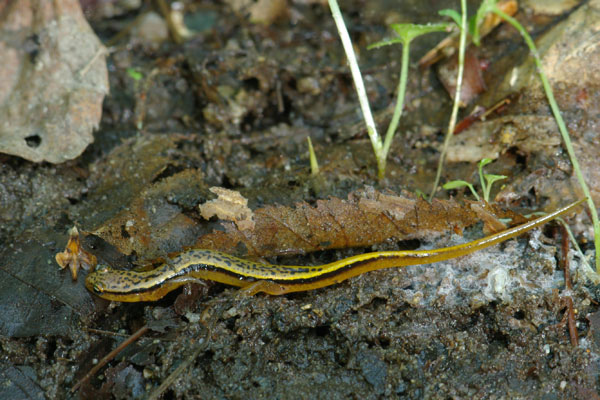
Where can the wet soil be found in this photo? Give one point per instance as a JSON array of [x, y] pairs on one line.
[[232, 107]]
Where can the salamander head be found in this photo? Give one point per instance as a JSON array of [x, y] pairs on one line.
[[98, 281]]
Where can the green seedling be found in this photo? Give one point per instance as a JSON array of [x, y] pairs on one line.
[[359, 85], [314, 164], [461, 21], [421, 194], [406, 33], [488, 6], [486, 181], [457, 184], [134, 74]]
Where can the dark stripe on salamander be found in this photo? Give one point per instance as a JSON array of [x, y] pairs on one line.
[[297, 281], [181, 272], [208, 267], [294, 281], [327, 275]]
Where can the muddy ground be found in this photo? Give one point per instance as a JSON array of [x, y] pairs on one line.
[[231, 106]]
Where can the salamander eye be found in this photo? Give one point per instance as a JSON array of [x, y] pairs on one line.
[[102, 268]]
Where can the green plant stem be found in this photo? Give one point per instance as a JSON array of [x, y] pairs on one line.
[[481, 179], [360, 87], [399, 100], [314, 164], [459, 79], [561, 127]]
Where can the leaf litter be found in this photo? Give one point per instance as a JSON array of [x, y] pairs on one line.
[[477, 326]]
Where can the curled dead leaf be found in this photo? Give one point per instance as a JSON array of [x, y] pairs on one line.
[[229, 206], [365, 218], [74, 256]]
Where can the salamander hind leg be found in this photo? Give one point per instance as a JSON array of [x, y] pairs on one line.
[[263, 286]]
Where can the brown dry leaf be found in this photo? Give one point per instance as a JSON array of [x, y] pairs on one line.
[[153, 225], [365, 218], [491, 221], [53, 79], [137, 200], [473, 83], [229, 206]]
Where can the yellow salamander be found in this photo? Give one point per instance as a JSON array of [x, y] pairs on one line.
[[195, 265]]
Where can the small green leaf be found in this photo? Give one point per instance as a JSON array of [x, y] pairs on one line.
[[134, 74], [386, 42], [490, 179], [458, 184], [472, 27], [453, 14], [484, 162], [408, 32], [486, 7], [493, 178], [421, 194], [314, 164], [485, 184], [455, 184]]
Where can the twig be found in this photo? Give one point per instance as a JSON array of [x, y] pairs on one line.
[[586, 269], [107, 333], [571, 322], [569, 300], [156, 393], [109, 357], [564, 244], [110, 333]]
